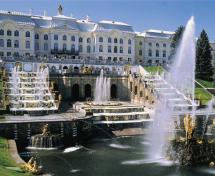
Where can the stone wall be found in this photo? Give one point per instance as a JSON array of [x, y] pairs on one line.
[[81, 87], [130, 88], [22, 132], [140, 92]]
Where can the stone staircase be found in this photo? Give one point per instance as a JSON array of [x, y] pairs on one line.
[[29, 91], [164, 91]]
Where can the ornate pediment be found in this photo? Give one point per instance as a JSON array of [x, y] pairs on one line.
[[8, 23], [64, 27]]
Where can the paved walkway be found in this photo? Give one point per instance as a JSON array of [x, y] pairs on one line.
[[46, 118]]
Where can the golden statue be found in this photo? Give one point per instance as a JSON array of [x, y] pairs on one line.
[[35, 167], [32, 166], [199, 141], [213, 122], [210, 141], [211, 164], [127, 68], [30, 162], [189, 126], [45, 130]]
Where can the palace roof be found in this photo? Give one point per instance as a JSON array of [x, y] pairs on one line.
[[156, 33], [114, 25], [61, 21]]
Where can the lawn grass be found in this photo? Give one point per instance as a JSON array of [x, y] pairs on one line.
[[207, 84], [1, 85], [202, 95], [7, 161], [154, 69], [1, 94]]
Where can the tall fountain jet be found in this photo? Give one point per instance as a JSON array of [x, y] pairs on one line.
[[182, 77], [182, 72], [102, 89]]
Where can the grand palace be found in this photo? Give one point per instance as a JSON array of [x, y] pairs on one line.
[[65, 37]]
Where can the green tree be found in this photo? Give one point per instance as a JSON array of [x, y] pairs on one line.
[[177, 37], [204, 69]]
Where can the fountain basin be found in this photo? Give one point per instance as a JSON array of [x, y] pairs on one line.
[[46, 142], [107, 103]]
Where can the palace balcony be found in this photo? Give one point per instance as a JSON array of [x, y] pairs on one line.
[[66, 52]]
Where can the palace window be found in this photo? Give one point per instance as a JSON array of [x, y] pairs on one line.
[[109, 49], [115, 59], [141, 93], [100, 48], [135, 90], [73, 38], [157, 53], [1, 32], [150, 44], [55, 37], [164, 53], [36, 36], [16, 54], [46, 37], [72, 47], [129, 50], [80, 39], [164, 45], [27, 44], [109, 59], [140, 43], [27, 34], [115, 49], [16, 44], [8, 53], [16, 33], [121, 49], [129, 41], [1, 43], [88, 40], [64, 37], [109, 40], [80, 48], [9, 33], [88, 49], [150, 53], [46, 46], [64, 47], [121, 41], [157, 44], [55, 46], [140, 52], [1, 53], [37, 46], [100, 39], [131, 86], [115, 40], [8, 43]]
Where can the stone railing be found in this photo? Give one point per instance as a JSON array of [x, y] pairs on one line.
[[65, 60]]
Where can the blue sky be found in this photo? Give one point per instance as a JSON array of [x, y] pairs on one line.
[[141, 14]]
